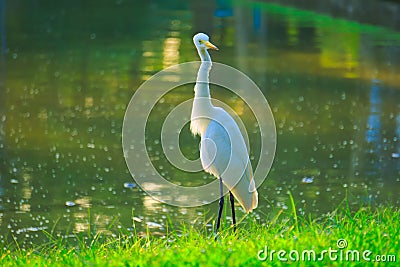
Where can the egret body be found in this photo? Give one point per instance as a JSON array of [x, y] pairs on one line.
[[223, 151]]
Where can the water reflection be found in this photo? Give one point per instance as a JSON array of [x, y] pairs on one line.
[[396, 154], [171, 52], [398, 132], [372, 161], [333, 86], [374, 125], [3, 102], [339, 55], [26, 185], [82, 216]]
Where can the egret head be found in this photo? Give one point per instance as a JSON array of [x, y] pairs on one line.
[[201, 41]]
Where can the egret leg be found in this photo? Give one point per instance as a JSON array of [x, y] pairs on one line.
[[221, 203], [232, 200]]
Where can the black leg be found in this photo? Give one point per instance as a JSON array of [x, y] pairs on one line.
[[232, 199], [221, 203]]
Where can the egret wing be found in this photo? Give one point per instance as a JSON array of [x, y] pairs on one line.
[[229, 162]]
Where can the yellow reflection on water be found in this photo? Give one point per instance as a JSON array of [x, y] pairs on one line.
[[148, 54], [293, 32], [26, 192], [150, 58], [171, 51], [26, 188], [101, 222], [84, 202], [82, 220], [340, 50], [150, 204], [25, 207], [88, 102]]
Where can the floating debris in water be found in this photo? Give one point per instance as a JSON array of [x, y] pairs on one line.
[[36, 229], [70, 204], [395, 155], [153, 225], [129, 185], [90, 145], [30, 229], [307, 180], [14, 181], [137, 219], [282, 205]]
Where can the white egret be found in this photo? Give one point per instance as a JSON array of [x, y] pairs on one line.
[[223, 151]]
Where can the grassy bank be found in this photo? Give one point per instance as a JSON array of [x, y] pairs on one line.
[[337, 239]]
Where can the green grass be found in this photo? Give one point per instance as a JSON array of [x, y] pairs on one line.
[[376, 230]]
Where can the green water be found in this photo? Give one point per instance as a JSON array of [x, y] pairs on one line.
[[69, 69]]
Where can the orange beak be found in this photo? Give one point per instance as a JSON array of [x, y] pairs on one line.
[[211, 46]]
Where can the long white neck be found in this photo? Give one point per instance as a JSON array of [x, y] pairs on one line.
[[202, 88], [202, 108], [204, 55]]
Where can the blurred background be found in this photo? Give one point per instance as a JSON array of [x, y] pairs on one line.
[[329, 70]]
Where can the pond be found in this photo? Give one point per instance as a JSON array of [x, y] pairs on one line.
[[69, 69]]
